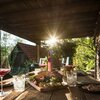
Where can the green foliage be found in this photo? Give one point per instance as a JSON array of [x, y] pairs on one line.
[[64, 48], [7, 45], [85, 54], [12, 59], [68, 48], [4, 50], [81, 50], [28, 63]]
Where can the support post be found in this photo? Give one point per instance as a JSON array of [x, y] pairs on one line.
[[97, 68], [97, 44], [38, 53]]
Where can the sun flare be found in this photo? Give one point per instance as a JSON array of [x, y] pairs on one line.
[[52, 40]]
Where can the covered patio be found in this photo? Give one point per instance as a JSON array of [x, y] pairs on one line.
[[37, 20]]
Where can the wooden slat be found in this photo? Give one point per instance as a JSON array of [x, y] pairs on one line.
[[79, 22], [32, 94], [47, 15], [13, 95], [72, 7], [59, 95], [75, 94]]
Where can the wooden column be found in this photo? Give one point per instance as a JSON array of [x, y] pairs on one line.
[[97, 68], [38, 53], [38, 43], [0, 48], [97, 44]]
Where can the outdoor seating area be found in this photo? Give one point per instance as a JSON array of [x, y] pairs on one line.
[[64, 93], [63, 63]]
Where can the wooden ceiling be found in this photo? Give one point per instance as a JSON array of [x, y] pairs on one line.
[[37, 19]]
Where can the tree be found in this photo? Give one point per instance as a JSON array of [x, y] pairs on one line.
[[7, 44], [63, 49], [85, 54], [81, 51], [4, 48]]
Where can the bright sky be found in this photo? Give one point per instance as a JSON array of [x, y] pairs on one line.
[[13, 37]]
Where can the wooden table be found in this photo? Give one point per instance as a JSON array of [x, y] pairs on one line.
[[68, 93]]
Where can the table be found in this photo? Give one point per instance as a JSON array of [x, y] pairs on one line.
[[68, 93]]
